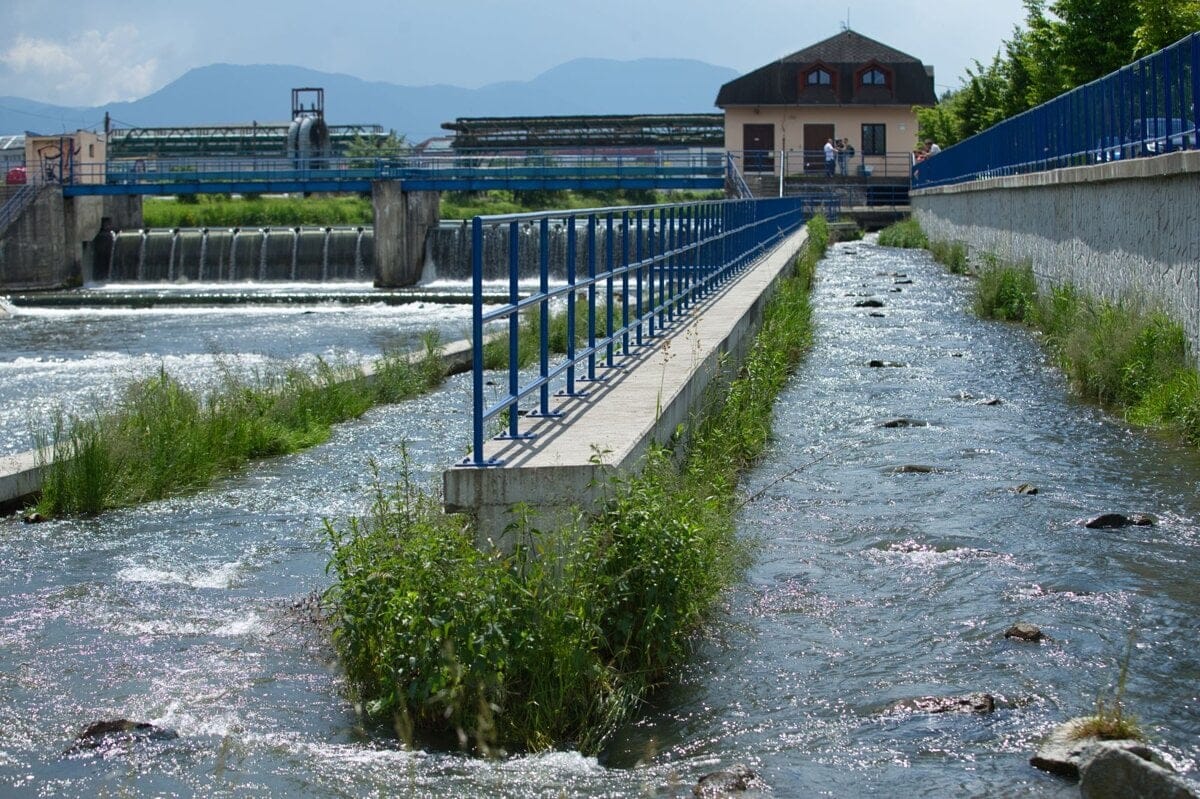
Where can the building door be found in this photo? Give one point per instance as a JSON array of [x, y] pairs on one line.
[[815, 137], [758, 142]]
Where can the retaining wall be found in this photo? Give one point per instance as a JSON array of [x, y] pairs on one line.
[[1125, 231]]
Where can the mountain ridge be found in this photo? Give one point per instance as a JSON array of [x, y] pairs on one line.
[[231, 94]]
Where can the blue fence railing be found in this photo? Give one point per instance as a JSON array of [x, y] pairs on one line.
[[1146, 108], [622, 276]]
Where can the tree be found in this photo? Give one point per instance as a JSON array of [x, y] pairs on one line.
[[1163, 22]]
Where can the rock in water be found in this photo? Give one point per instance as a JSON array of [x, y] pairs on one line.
[[737, 779], [103, 733], [1024, 631], [1110, 521]]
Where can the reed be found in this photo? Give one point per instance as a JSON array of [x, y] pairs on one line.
[[163, 438], [560, 641]]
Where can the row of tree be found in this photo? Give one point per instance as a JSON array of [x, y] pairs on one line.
[[1064, 44]]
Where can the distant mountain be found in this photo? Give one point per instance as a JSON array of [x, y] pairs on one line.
[[228, 94]]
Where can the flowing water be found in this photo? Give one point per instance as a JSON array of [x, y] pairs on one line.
[[869, 588]]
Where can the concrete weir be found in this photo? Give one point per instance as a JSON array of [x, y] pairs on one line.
[[571, 460]]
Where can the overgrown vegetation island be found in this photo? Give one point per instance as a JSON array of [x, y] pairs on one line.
[[557, 643]]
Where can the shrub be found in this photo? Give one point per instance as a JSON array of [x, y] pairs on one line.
[[906, 233], [1007, 292]]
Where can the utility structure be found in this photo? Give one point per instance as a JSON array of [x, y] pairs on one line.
[[308, 135]]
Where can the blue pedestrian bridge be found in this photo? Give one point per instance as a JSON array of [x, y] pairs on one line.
[[593, 171]]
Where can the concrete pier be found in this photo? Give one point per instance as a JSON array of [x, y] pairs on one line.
[[570, 463]]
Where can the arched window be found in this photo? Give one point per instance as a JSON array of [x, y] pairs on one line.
[[874, 77], [818, 77]]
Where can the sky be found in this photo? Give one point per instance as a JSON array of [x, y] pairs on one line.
[[86, 53]]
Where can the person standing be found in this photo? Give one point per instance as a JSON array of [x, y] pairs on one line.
[[830, 158]]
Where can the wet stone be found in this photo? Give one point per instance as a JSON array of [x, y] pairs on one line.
[[1026, 488], [879, 314], [869, 304], [1064, 753], [903, 422], [992, 401], [33, 518], [905, 282], [912, 468], [729, 782], [1024, 631], [113, 731], [971, 703], [878, 364], [1110, 521]]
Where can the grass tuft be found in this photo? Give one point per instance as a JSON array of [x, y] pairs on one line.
[[906, 233]]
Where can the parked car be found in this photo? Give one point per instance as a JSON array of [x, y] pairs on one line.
[[1109, 148], [1150, 135], [15, 176]]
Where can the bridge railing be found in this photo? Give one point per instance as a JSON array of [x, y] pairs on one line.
[[811, 163], [1146, 108], [622, 277], [586, 164]]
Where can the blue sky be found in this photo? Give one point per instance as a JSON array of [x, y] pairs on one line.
[[82, 52]]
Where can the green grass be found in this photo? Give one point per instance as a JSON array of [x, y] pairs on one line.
[[906, 233], [1122, 355], [951, 254], [162, 438], [559, 642], [219, 211]]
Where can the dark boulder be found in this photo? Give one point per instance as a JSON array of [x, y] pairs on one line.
[[1109, 521], [111, 731], [1064, 752], [903, 422], [869, 304], [878, 364], [912, 468], [1026, 488], [971, 703], [1113, 772], [1024, 631], [879, 314], [734, 780]]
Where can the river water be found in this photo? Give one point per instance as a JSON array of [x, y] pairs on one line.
[[869, 588]]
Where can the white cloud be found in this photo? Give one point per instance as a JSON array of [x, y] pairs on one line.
[[90, 68]]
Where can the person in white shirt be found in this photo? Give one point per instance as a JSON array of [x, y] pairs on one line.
[[830, 157]]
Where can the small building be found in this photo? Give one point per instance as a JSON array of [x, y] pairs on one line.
[[78, 157], [847, 87]]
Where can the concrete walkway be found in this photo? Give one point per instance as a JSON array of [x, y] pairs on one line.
[[571, 461]]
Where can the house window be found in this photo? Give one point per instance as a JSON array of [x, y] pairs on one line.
[[874, 139], [874, 77], [819, 77]]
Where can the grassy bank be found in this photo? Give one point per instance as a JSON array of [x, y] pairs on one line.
[[163, 438], [1123, 355], [221, 211], [557, 643], [1132, 359]]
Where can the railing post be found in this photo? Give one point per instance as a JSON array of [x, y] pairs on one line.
[[591, 260], [514, 325], [477, 458], [544, 315], [608, 287], [625, 282], [640, 277], [571, 305]]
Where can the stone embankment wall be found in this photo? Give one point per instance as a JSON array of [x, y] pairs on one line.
[[1125, 231]]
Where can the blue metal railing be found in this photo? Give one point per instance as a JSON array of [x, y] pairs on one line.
[[737, 179], [642, 267], [1146, 108], [683, 168]]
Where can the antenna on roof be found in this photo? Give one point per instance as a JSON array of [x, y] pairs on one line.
[[846, 24]]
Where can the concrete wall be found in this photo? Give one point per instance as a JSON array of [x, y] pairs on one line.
[[33, 252], [1125, 231], [53, 243], [402, 221]]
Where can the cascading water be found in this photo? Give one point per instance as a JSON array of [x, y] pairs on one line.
[[264, 255]]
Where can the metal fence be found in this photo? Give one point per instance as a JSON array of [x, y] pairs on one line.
[[811, 163], [624, 277], [1146, 108]]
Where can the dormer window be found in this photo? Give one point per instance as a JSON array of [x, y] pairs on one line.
[[874, 77], [818, 77]]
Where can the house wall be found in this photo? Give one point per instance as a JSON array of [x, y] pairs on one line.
[[847, 123]]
